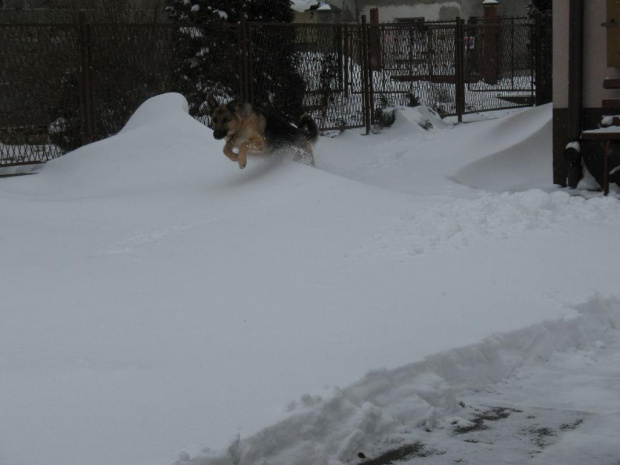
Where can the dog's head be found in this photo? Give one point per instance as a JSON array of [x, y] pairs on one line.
[[222, 117]]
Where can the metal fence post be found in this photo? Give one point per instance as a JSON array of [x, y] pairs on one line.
[[547, 56], [87, 110], [365, 84], [538, 79], [369, 70], [347, 53], [512, 51], [244, 65], [340, 55], [241, 64], [91, 83], [249, 68], [459, 69]]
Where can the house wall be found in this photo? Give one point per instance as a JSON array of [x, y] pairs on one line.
[[560, 53], [595, 71], [348, 9], [513, 8], [317, 17], [433, 10], [390, 10], [560, 89], [509, 8], [595, 55]]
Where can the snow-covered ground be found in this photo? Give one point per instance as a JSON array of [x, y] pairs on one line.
[[420, 293]]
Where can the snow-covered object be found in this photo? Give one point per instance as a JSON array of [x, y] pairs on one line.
[[221, 14], [422, 116], [301, 6], [304, 5], [609, 120], [588, 182], [603, 130]]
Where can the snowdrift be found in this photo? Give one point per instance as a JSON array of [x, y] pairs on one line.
[[524, 164], [422, 154], [157, 299]]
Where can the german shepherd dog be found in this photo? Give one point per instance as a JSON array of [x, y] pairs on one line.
[[249, 129]]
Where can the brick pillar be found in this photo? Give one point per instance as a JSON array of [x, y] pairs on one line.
[[491, 41]]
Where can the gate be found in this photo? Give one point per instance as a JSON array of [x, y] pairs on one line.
[[499, 64], [414, 63], [458, 68]]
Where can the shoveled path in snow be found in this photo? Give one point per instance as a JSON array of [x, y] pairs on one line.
[[561, 411]]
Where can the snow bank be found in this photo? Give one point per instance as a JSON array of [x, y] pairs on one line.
[[416, 120], [127, 162], [385, 408], [178, 300], [520, 166], [166, 108], [422, 154]]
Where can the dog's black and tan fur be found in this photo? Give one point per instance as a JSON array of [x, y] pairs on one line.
[[250, 129]]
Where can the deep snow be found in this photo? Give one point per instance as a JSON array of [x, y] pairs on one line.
[[157, 299]]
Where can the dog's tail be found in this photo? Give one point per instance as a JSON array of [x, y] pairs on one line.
[[309, 127]]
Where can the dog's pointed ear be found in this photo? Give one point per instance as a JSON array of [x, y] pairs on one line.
[[211, 104]]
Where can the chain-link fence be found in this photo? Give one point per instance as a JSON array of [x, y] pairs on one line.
[[37, 61], [413, 64], [328, 60], [498, 65], [63, 85], [129, 64], [457, 68]]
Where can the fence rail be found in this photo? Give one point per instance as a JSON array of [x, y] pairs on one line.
[[64, 85]]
